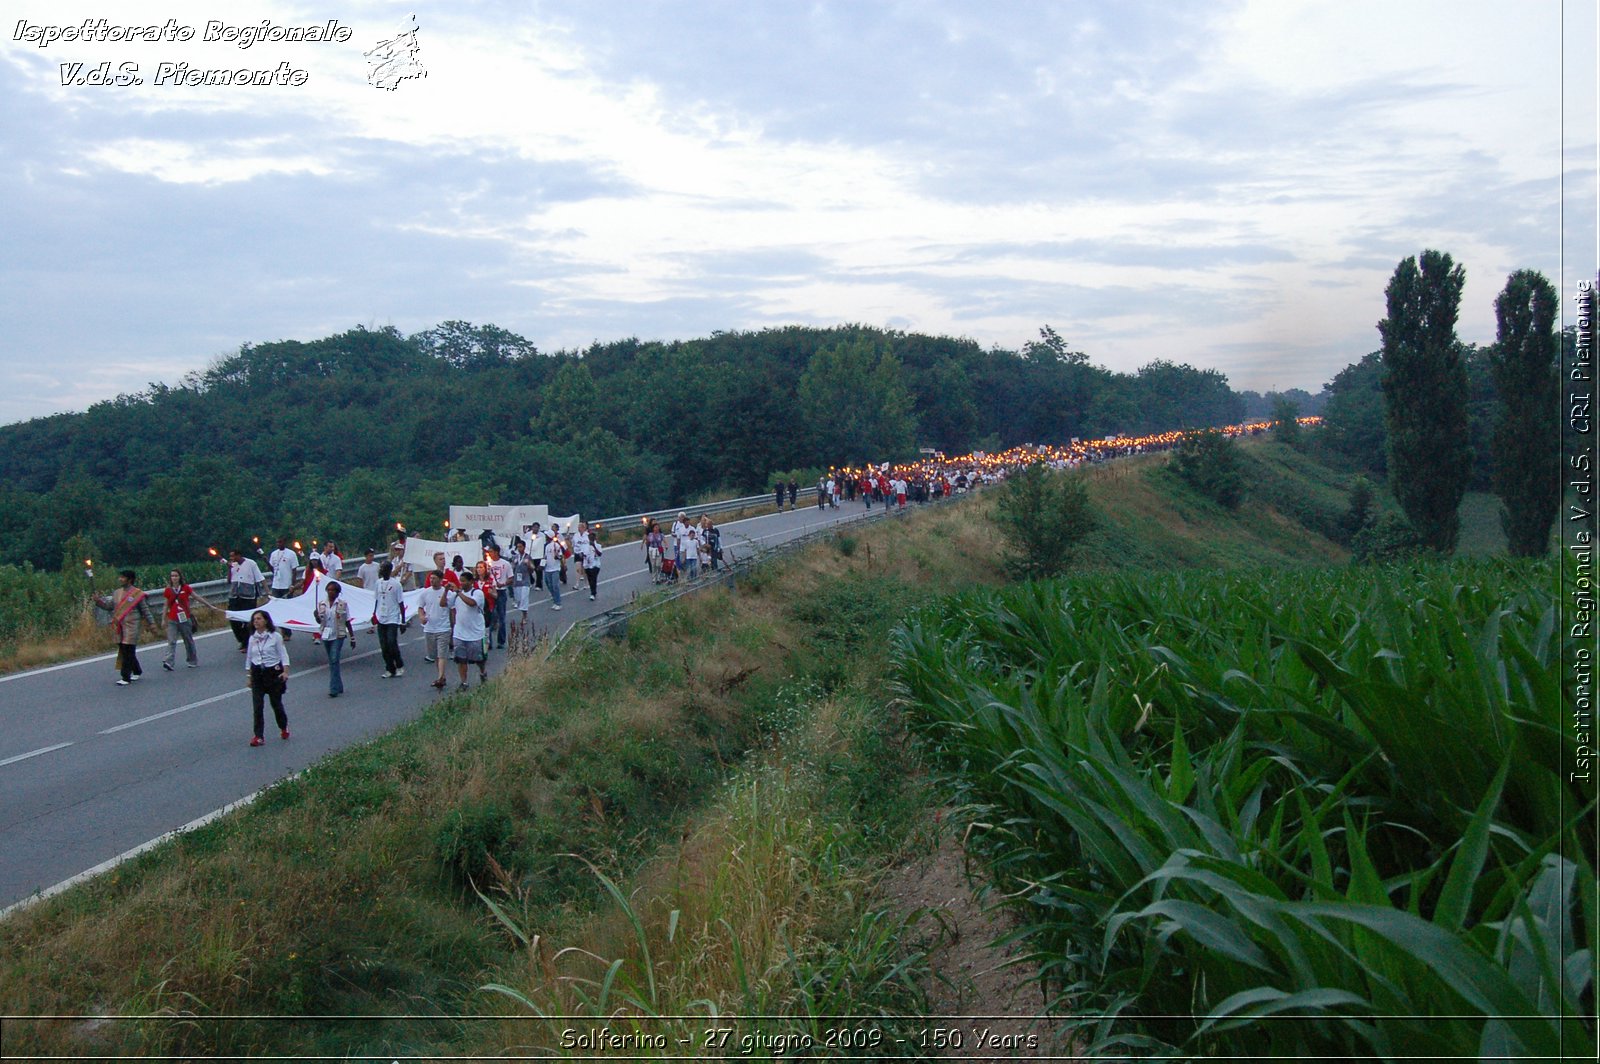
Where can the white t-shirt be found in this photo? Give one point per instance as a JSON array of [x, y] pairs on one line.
[[552, 554], [389, 602], [469, 615], [438, 615], [367, 573], [283, 562]]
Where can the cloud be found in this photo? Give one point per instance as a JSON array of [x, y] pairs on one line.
[[1213, 184]]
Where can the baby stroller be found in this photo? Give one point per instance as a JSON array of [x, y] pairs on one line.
[[669, 571]]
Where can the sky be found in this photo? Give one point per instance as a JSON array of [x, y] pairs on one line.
[[1229, 185]]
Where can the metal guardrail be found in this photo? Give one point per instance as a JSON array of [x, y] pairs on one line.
[[726, 506]]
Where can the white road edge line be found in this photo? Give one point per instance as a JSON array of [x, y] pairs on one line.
[[128, 855], [33, 753]]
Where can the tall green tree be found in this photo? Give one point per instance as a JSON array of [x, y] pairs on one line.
[[1425, 396], [1286, 420], [570, 404], [1352, 418], [856, 404], [1527, 450]]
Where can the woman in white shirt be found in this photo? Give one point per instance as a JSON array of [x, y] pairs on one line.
[[266, 672]]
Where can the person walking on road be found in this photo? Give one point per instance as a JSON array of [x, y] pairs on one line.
[[435, 624], [794, 492], [367, 572], [501, 574], [333, 615], [470, 632], [586, 546], [180, 619], [390, 612], [129, 611], [266, 673], [282, 563], [244, 591], [553, 550]]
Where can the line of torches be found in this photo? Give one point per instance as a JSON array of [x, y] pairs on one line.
[[978, 461]]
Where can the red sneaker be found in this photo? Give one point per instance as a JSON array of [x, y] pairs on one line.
[[257, 741], [284, 734]]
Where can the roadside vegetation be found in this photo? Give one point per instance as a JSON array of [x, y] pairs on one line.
[[692, 819]]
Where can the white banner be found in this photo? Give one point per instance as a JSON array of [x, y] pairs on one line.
[[419, 553], [504, 520], [299, 614], [564, 525]]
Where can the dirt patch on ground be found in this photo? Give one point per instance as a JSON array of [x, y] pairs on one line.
[[980, 997]]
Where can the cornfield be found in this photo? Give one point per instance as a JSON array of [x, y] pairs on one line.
[[1315, 813]]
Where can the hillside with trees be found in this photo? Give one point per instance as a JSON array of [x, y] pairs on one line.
[[342, 436]]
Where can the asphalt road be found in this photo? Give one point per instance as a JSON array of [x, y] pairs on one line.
[[91, 773]]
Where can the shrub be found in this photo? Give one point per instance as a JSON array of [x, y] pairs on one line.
[[1389, 538], [1209, 462], [1360, 514], [1044, 516], [473, 835]]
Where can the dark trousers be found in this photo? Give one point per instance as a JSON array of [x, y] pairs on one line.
[[128, 660], [241, 629], [502, 599], [389, 645], [594, 580], [264, 684]]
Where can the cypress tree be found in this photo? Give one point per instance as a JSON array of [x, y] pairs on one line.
[[1527, 448], [1425, 396]]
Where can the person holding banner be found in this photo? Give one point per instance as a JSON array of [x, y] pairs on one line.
[[244, 590]]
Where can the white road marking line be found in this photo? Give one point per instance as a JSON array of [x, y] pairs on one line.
[[127, 855], [171, 712], [33, 753], [227, 694]]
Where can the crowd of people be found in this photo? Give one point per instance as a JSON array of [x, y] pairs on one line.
[[466, 612]]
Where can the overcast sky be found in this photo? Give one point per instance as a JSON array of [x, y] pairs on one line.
[[1224, 184]]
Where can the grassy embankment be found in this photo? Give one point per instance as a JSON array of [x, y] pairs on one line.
[[729, 762]]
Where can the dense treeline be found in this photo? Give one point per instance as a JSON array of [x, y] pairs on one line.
[[342, 436]]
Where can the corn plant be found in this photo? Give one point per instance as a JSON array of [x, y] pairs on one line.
[[1293, 813]]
